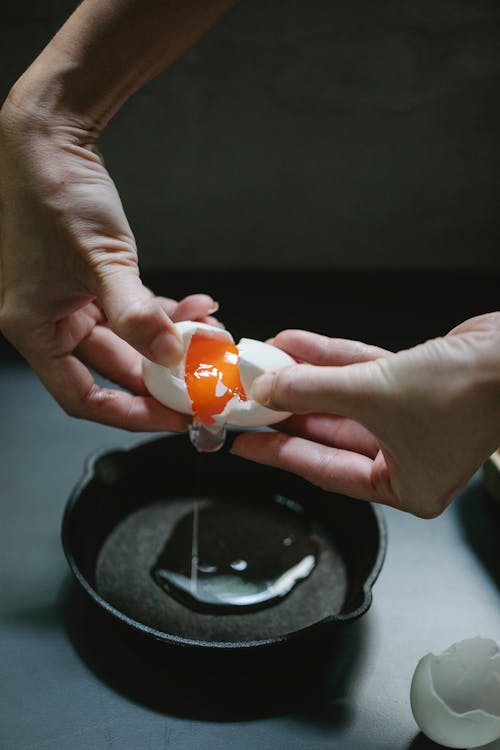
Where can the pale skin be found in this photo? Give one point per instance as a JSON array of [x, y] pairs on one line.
[[406, 429], [71, 297]]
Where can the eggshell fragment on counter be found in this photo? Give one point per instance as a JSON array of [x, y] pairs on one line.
[[455, 696], [168, 385]]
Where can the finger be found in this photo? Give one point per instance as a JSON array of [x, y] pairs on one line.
[[352, 391], [169, 305], [334, 431], [331, 469], [73, 387], [72, 329], [113, 358], [95, 311], [192, 309], [485, 322], [195, 307], [322, 350], [136, 315], [211, 321]]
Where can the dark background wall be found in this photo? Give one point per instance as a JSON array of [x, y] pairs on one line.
[[339, 134]]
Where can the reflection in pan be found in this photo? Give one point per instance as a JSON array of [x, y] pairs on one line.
[[133, 498]]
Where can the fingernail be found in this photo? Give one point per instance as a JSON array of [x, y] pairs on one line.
[[214, 308], [260, 389], [166, 349]]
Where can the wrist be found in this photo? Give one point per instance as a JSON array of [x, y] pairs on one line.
[[107, 50], [38, 103]]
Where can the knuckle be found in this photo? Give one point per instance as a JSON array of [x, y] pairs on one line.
[[318, 472], [363, 354], [492, 319], [321, 473], [427, 513], [325, 349], [8, 317], [72, 409], [136, 315], [280, 446], [6, 324], [285, 391], [110, 255], [85, 406], [434, 508]]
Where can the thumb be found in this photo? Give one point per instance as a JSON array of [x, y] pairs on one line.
[[348, 391], [136, 315]]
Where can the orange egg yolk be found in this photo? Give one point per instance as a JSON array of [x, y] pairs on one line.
[[212, 376]]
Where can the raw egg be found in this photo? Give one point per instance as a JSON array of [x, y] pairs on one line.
[[214, 377]]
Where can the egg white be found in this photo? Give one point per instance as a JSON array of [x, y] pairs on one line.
[[168, 386]]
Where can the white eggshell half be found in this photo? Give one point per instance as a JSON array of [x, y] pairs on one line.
[[455, 696], [167, 385], [256, 358]]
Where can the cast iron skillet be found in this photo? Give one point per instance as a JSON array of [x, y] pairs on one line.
[[118, 483]]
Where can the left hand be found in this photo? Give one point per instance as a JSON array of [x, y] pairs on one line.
[[71, 297]]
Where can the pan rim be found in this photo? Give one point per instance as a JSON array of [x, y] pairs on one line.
[[165, 638]]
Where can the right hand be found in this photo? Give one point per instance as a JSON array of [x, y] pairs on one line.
[[406, 429], [70, 292]]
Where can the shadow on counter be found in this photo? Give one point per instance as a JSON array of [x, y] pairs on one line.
[[421, 742], [479, 515], [310, 682]]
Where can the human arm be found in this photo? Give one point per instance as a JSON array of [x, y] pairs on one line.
[[71, 296], [406, 429]]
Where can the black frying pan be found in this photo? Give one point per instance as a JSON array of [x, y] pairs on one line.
[[112, 533]]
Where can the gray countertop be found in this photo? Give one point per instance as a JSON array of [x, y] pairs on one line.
[[439, 584]]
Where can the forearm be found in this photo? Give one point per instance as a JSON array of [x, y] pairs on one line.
[[107, 50]]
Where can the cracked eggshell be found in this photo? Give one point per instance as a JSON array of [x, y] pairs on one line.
[[256, 358], [455, 696], [167, 385]]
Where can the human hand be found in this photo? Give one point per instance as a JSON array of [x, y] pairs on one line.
[[406, 429], [70, 292]]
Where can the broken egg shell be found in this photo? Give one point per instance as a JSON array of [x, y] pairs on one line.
[[256, 358], [168, 386], [455, 696]]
